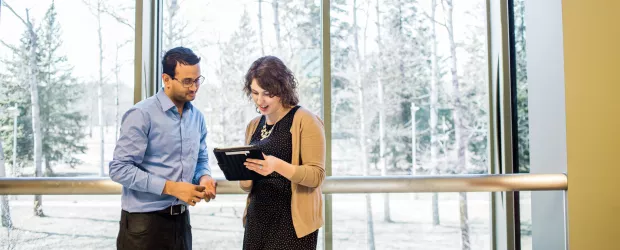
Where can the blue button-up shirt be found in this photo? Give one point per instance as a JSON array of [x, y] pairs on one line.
[[157, 144]]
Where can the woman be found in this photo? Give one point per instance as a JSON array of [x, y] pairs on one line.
[[284, 209]]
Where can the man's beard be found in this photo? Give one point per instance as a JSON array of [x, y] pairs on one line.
[[182, 98]]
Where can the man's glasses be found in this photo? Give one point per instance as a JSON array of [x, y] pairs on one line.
[[187, 82]]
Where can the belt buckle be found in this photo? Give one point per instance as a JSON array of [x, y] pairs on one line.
[[172, 212]]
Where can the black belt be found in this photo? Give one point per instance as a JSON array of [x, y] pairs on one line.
[[174, 210]]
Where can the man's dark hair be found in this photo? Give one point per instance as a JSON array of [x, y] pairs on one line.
[[176, 55], [273, 76]]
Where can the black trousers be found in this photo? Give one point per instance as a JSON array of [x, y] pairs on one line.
[[155, 230]]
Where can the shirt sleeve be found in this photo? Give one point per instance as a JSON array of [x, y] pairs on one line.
[[129, 154], [202, 166]]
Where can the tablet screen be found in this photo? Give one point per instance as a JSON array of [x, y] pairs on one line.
[[231, 159]]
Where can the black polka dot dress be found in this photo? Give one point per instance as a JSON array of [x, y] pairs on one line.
[[269, 224]]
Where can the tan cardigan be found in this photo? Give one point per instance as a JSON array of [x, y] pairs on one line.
[[308, 137]]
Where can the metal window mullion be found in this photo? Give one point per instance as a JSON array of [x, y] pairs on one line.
[[147, 47], [156, 38], [327, 115], [139, 23], [511, 89], [546, 99], [500, 125]]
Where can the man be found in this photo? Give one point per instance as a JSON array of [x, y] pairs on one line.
[[161, 160]]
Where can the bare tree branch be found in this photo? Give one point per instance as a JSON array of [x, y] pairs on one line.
[[123, 44], [14, 13], [91, 8], [117, 17], [108, 11], [431, 18], [443, 9], [11, 47]]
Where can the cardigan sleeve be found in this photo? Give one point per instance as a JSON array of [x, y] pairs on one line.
[[311, 172]]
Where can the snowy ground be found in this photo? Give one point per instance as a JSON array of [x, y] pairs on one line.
[[91, 222]]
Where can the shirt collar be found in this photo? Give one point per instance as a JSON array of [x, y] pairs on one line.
[[167, 104], [164, 100]]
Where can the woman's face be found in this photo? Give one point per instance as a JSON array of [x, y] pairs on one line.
[[266, 103]]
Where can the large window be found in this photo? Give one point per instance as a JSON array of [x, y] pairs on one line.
[[410, 97], [67, 77]]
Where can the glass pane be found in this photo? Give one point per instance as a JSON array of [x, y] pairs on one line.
[[522, 120], [70, 222], [91, 222], [412, 225], [229, 36], [82, 70], [525, 213], [410, 97], [67, 79]]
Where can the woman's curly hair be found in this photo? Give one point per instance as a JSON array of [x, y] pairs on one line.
[[273, 76]]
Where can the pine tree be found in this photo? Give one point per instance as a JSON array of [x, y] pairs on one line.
[[58, 95], [30, 44], [16, 92], [396, 75], [61, 121]]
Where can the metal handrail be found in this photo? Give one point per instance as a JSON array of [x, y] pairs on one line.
[[331, 185]]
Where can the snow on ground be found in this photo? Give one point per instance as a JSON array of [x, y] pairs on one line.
[[91, 222]]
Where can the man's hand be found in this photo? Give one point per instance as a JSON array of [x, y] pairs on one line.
[[187, 192], [210, 187]]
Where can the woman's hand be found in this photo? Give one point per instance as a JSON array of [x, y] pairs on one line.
[[263, 167]]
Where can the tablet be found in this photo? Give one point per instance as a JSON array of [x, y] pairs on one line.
[[231, 159]]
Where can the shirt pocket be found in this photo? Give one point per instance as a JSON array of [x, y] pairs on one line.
[[194, 147]]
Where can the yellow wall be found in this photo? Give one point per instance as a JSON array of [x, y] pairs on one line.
[[592, 77]]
